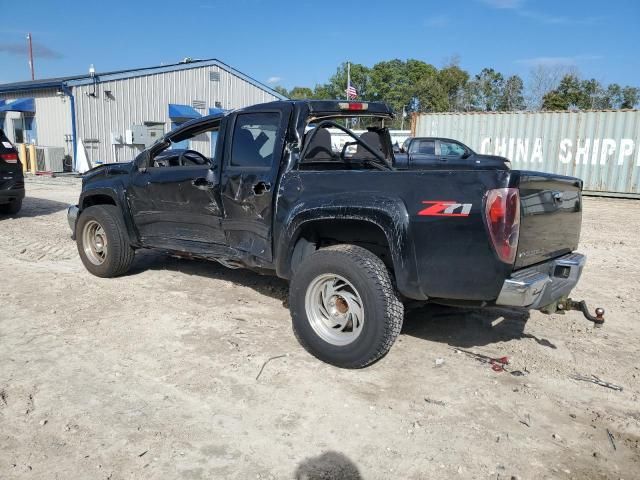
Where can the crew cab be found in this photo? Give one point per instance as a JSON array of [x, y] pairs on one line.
[[11, 178], [357, 231]]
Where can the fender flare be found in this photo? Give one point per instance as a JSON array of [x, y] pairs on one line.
[[388, 214], [118, 197]]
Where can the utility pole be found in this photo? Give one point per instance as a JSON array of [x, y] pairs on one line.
[[31, 66]]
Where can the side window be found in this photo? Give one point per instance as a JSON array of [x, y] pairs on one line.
[[425, 147], [451, 149], [254, 140], [191, 148]]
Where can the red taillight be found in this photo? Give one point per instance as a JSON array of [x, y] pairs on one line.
[[9, 157], [502, 213]]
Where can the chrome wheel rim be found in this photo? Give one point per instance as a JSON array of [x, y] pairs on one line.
[[334, 309], [94, 242]]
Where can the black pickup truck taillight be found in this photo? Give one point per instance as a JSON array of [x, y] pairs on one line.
[[502, 214]]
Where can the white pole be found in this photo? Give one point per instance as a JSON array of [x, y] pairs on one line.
[[348, 78], [348, 85]]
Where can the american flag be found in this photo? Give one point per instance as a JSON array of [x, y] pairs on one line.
[[351, 92]]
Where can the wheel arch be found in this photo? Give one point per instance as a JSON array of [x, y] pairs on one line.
[[110, 196], [376, 220]]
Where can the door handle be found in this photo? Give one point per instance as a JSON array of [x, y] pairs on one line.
[[202, 183], [261, 188]]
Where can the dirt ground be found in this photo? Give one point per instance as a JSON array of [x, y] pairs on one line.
[[153, 375]]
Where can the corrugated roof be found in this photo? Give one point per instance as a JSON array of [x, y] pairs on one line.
[[73, 80]]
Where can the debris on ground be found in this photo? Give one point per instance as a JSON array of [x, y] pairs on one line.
[[610, 435], [267, 361], [527, 421], [597, 381], [435, 402], [497, 364]]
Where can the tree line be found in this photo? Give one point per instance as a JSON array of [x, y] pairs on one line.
[[417, 86]]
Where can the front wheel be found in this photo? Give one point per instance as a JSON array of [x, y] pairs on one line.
[[345, 310], [102, 241]]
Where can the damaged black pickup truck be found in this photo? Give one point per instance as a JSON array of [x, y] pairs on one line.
[[357, 229]]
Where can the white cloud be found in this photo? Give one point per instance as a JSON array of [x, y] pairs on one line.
[[505, 4], [272, 80], [558, 61], [557, 19]]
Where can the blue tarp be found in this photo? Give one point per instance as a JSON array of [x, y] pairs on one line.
[[216, 111], [182, 113], [27, 105]]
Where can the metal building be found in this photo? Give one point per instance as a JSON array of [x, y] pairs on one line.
[[600, 147], [114, 115]]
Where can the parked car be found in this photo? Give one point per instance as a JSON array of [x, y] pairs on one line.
[[427, 150], [11, 178], [355, 231]]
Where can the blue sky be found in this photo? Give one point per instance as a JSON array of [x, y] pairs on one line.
[[301, 43]]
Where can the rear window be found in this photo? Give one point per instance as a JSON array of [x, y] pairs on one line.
[[5, 144], [254, 139], [426, 147]]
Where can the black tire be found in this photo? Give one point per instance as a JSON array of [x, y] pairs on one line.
[[119, 253], [383, 311], [11, 208]]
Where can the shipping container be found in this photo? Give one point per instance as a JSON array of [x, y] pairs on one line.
[[600, 147]]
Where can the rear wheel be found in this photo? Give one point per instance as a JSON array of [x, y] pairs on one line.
[[11, 208], [345, 310], [102, 241]]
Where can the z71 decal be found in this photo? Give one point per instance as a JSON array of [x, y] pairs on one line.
[[445, 209]]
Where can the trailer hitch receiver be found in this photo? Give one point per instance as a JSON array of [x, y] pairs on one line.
[[569, 304]]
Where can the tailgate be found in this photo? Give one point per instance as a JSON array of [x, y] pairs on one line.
[[550, 216]]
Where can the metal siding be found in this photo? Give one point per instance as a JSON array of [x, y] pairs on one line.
[[508, 134], [147, 98], [53, 116]]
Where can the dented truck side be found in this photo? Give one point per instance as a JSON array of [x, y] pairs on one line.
[[356, 235]]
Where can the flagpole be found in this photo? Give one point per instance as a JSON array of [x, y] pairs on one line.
[[348, 87], [348, 78]]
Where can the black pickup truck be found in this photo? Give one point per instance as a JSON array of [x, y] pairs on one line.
[[357, 230]]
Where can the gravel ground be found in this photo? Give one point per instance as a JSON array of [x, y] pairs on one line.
[[153, 375]]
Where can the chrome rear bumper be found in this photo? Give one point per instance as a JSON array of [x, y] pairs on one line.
[[538, 286]]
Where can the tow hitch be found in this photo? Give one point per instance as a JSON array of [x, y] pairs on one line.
[[567, 304]]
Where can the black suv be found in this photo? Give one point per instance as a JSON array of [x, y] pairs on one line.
[[11, 178]]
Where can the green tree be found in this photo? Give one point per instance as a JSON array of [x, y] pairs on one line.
[[568, 95], [337, 85], [454, 81], [622, 97], [417, 86], [281, 90], [486, 90], [512, 98], [593, 96], [390, 82], [300, 93], [630, 97]]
